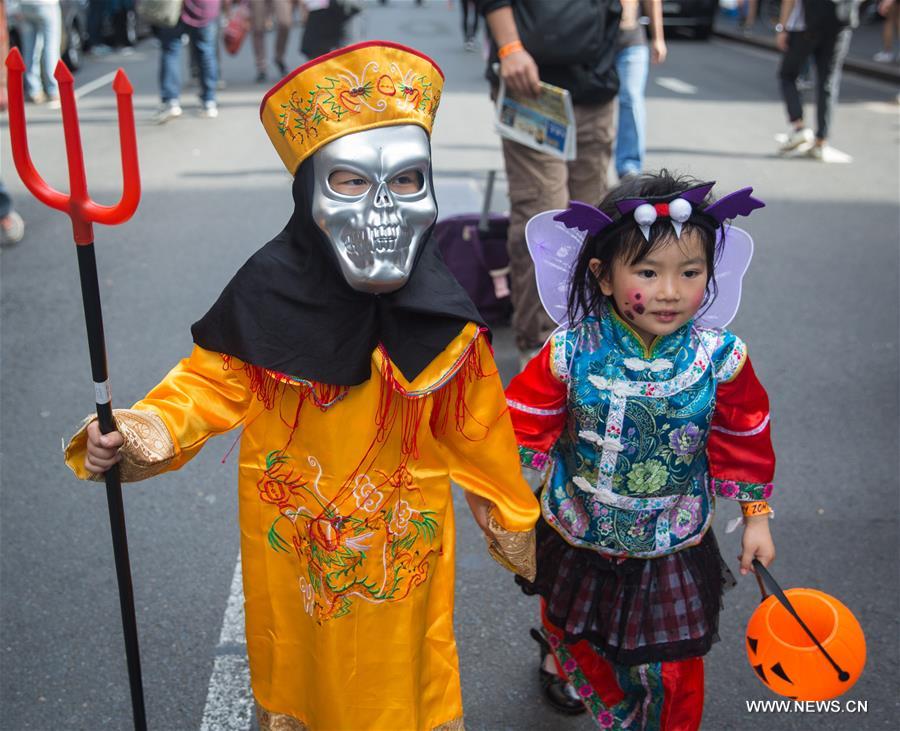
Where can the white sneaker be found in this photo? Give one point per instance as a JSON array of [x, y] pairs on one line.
[[12, 229], [796, 138], [816, 152], [167, 112], [210, 110], [883, 57]]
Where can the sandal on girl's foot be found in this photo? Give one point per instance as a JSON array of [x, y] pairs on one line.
[[557, 692]]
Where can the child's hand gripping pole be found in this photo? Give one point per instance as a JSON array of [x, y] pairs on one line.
[[84, 213]]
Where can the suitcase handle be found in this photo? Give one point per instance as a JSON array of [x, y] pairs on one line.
[[483, 225]]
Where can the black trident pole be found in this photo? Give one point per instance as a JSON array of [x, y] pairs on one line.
[[93, 316]]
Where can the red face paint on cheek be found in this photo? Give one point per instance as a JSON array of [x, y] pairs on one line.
[[638, 306]]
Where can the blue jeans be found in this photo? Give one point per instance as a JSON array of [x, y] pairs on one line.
[[41, 36], [204, 42], [6, 205], [633, 65]]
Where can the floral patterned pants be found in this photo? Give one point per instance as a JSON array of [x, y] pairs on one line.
[[659, 696]]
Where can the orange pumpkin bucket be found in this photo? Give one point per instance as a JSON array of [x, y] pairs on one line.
[[802, 643]]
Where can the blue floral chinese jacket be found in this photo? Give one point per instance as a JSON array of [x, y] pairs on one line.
[[641, 439]]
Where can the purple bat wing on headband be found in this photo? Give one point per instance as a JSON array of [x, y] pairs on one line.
[[628, 205], [584, 217], [739, 203], [697, 194]]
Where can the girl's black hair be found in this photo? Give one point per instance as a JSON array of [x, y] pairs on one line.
[[628, 243]]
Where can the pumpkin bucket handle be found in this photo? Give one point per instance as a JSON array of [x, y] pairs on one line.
[[766, 580]]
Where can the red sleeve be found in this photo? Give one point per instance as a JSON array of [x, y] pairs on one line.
[[537, 405], [741, 459]]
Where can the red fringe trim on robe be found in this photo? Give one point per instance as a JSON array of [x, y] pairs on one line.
[[394, 403]]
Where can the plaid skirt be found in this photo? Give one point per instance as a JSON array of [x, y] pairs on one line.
[[636, 610]]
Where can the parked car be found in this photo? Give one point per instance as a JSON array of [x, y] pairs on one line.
[[74, 29], [698, 16]]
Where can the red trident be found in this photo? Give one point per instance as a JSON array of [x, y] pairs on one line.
[[84, 213]]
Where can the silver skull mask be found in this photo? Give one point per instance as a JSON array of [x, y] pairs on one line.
[[376, 235]]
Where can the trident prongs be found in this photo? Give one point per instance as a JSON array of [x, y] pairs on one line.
[[77, 205]]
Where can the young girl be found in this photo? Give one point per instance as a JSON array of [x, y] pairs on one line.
[[644, 417]]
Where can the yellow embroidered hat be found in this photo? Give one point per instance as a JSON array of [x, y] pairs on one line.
[[367, 85]]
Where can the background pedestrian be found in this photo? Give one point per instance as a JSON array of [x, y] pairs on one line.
[[470, 17], [41, 38], [12, 226], [199, 21], [820, 29], [326, 26], [579, 55], [890, 9], [633, 66], [262, 14], [747, 13], [98, 11]]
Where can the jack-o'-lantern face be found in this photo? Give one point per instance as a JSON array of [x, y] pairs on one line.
[[786, 659]]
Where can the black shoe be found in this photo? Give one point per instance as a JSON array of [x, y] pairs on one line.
[[557, 691], [282, 68], [260, 77]]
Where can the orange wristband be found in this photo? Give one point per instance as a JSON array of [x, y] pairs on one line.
[[758, 507], [509, 48]]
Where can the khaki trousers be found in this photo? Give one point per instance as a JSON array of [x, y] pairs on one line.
[[539, 182], [260, 10]]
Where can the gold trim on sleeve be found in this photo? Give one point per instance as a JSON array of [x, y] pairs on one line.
[[514, 550], [148, 446]]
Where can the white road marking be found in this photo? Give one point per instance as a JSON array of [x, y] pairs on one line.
[[883, 107], [97, 83], [676, 85], [233, 622], [229, 702]]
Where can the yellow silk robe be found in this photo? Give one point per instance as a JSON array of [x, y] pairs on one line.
[[347, 529]]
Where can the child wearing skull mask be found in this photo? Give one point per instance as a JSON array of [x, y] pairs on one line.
[[363, 381]]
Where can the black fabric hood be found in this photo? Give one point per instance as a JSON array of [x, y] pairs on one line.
[[289, 308]]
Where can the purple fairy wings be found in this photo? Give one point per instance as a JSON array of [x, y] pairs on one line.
[[555, 238], [554, 247]]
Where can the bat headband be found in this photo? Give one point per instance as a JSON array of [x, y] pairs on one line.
[[680, 208], [556, 237]]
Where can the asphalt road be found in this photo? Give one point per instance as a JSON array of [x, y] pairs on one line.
[[819, 312]]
